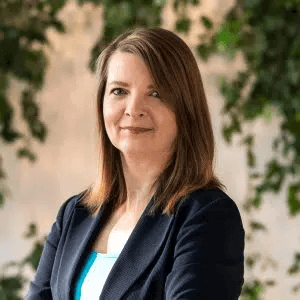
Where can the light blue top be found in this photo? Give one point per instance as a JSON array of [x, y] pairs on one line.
[[93, 275]]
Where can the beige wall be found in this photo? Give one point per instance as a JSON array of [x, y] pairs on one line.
[[67, 161]]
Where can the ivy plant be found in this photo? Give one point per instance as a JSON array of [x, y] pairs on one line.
[[266, 32], [268, 35], [22, 40], [22, 37]]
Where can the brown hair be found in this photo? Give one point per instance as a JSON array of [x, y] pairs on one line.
[[176, 73]]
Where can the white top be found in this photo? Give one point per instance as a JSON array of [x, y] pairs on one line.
[[93, 275]]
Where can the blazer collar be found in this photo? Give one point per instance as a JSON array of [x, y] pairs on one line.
[[139, 251]]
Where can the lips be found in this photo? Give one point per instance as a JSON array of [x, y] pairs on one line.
[[137, 128]]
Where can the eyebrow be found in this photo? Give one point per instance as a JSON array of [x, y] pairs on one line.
[[125, 84]]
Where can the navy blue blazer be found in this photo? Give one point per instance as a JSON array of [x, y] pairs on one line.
[[195, 253]]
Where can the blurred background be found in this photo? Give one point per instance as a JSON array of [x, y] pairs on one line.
[[248, 53]]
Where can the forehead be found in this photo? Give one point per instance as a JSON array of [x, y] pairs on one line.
[[127, 65]]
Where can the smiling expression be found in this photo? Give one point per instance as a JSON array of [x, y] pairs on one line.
[[131, 99]]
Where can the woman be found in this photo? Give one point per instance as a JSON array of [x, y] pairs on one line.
[[156, 224]]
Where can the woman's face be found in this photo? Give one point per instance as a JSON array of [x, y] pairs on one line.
[[132, 102]]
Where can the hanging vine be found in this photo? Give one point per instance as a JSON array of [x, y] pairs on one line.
[[266, 32]]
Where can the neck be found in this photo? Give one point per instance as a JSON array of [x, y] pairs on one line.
[[139, 176]]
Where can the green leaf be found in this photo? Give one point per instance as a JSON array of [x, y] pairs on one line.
[[32, 231], [29, 107], [57, 5], [257, 226], [204, 51], [252, 259], [25, 152], [30, 65], [224, 38], [39, 130], [253, 290], [12, 283], [159, 3], [295, 268], [96, 2], [228, 34], [270, 282], [34, 34], [294, 49], [30, 114], [253, 107], [257, 200], [276, 143], [206, 22], [294, 199], [183, 25], [273, 23], [58, 25], [1, 199], [248, 140], [255, 175], [232, 128], [251, 4], [6, 119], [274, 176], [293, 71], [118, 14], [4, 82], [267, 113], [2, 293], [176, 4], [250, 158], [227, 132], [9, 134], [81, 2], [231, 92]]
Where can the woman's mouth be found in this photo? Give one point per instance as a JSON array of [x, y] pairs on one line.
[[137, 131]]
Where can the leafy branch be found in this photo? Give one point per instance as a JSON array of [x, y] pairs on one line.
[[266, 33]]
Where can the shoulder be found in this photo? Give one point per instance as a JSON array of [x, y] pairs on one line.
[[68, 207], [204, 198], [209, 244], [211, 219], [209, 203]]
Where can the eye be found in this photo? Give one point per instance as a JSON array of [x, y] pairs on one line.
[[157, 94], [117, 89], [121, 92]]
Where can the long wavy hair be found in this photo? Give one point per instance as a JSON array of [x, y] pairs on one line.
[[175, 71]]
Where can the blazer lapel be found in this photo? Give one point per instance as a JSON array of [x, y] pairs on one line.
[[84, 228], [138, 252]]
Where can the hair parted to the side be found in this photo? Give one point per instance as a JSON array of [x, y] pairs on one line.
[[175, 72]]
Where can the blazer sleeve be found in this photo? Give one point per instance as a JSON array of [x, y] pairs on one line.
[[208, 255], [39, 288]]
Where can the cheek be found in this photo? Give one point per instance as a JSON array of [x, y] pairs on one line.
[[108, 115], [169, 123]]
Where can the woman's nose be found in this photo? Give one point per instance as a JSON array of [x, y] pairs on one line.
[[135, 105]]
